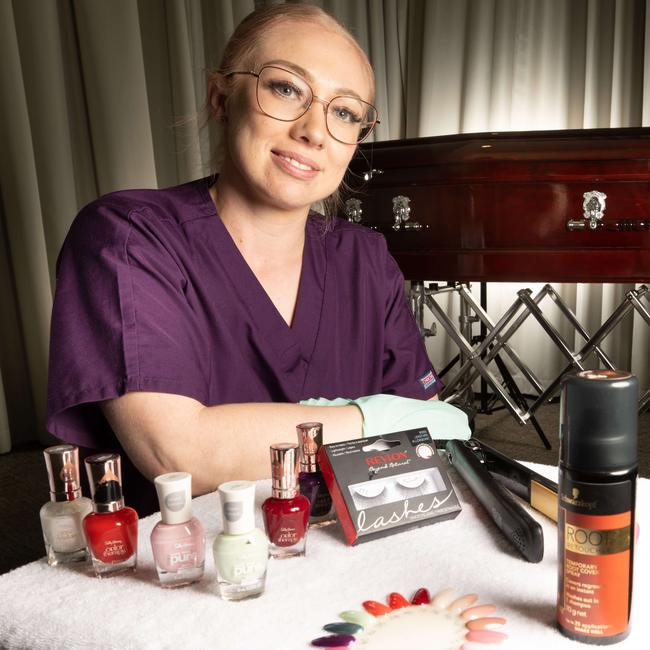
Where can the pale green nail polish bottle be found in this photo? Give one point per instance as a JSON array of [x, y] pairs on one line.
[[241, 551]]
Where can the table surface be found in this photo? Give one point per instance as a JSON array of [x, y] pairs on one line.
[[65, 607]]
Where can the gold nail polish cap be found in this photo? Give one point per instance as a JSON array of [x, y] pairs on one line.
[[284, 470], [62, 464], [310, 439]]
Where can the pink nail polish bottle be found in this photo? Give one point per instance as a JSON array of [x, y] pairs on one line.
[[178, 540]]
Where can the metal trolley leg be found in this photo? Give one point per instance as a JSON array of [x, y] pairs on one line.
[[642, 293], [631, 302], [474, 358]]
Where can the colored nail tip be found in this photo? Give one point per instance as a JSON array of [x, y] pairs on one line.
[[487, 623], [397, 601], [462, 603], [421, 597], [375, 608], [334, 641], [478, 611], [343, 628], [361, 618], [443, 598], [486, 636]]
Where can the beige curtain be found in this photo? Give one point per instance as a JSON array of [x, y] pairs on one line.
[[90, 92]]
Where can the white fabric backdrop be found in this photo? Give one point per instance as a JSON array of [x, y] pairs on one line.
[[90, 91]]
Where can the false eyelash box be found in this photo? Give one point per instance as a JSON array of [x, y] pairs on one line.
[[386, 484]]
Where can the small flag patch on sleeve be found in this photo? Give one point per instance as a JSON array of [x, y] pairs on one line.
[[428, 380]]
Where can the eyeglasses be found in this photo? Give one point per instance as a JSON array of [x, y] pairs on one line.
[[285, 96]]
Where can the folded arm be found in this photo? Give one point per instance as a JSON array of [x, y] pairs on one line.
[[165, 433]]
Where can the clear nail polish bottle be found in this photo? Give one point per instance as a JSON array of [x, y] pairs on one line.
[[311, 480], [241, 551], [286, 511], [112, 528], [62, 516], [178, 540]]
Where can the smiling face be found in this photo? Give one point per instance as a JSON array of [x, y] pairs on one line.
[[290, 165]]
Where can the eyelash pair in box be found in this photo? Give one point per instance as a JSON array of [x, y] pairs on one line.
[[396, 488], [386, 484]]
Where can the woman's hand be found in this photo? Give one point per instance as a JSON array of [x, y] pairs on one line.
[[390, 413]]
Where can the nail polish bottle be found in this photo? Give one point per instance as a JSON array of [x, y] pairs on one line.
[[178, 540], [62, 516], [112, 528], [311, 481], [241, 551], [286, 512]]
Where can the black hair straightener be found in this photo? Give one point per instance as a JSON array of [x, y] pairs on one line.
[[487, 473], [537, 490]]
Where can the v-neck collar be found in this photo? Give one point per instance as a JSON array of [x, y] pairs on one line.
[[294, 344]]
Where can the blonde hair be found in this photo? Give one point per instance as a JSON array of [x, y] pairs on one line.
[[239, 54], [241, 46]]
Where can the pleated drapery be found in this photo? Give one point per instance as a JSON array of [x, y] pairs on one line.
[[99, 96]]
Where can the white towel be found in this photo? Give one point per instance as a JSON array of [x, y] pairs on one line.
[[44, 607]]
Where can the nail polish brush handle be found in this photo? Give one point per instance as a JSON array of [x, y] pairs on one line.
[[519, 528]]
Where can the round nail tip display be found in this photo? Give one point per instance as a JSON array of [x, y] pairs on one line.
[[487, 623], [361, 618], [455, 623], [443, 599], [486, 636], [343, 628], [396, 601], [333, 641], [421, 597], [479, 611], [462, 603], [375, 608]]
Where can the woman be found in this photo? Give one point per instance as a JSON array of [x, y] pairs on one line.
[[189, 322]]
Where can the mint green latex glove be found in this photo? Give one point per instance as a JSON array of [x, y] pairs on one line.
[[390, 413]]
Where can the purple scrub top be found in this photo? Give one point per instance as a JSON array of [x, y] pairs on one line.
[[152, 294]]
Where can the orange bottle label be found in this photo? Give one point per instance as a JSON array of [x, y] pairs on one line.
[[594, 589]]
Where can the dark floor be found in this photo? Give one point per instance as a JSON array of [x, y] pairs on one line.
[[24, 489], [522, 442]]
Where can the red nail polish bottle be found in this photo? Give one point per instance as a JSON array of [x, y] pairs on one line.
[[286, 512], [112, 528]]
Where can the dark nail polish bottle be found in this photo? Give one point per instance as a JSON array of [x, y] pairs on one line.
[[596, 498], [311, 481]]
